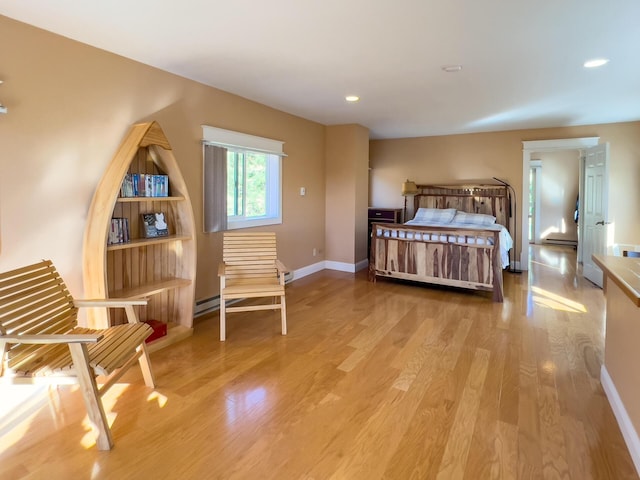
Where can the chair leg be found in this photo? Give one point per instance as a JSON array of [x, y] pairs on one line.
[[143, 360], [89, 389], [283, 313], [145, 367], [223, 320], [3, 350]]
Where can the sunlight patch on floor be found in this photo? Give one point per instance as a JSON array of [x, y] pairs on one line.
[[160, 399], [549, 299], [18, 406], [561, 265]]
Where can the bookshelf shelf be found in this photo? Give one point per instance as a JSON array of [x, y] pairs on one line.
[[149, 199], [151, 288], [161, 269], [140, 242]]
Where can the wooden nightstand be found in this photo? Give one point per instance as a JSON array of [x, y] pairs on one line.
[[382, 215]]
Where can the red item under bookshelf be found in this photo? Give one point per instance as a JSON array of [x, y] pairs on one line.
[[159, 330]]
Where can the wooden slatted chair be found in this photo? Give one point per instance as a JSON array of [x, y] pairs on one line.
[[40, 340], [251, 269]]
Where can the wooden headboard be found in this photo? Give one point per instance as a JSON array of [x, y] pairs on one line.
[[489, 199]]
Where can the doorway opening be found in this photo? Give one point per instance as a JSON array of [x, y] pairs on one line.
[[528, 149]]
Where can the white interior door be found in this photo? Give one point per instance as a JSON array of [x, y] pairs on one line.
[[534, 201], [595, 210]]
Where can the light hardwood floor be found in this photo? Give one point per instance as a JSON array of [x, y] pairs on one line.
[[386, 380]]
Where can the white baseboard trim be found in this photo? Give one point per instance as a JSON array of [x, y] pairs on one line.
[[330, 265], [213, 303], [308, 270], [207, 305], [340, 266], [346, 267], [624, 422], [362, 264], [210, 305]]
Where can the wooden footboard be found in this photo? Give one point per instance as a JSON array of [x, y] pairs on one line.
[[461, 258]]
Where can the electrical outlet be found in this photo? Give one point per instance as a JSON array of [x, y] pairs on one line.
[[315, 252]]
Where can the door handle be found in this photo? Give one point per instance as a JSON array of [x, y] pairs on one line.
[[602, 222]]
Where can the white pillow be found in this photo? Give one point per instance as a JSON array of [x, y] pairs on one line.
[[474, 218], [435, 215]]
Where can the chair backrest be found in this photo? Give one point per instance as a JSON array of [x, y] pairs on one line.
[[35, 300], [249, 255], [630, 253]]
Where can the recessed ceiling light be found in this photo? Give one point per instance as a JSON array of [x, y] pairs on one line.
[[451, 68], [352, 98], [596, 62]]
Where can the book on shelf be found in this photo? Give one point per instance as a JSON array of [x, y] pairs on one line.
[[154, 225], [118, 231], [160, 186], [127, 188], [144, 185]]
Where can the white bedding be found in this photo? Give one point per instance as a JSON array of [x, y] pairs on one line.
[[506, 242]]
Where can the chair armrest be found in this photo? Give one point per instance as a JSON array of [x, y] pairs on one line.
[[281, 267], [222, 269], [54, 338], [109, 302]]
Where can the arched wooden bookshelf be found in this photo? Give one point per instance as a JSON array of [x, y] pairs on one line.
[[161, 269]]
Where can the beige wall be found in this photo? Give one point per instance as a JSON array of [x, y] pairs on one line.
[[559, 183], [347, 162], [69, 107], [481, 156], [624, 179], [361, 168]]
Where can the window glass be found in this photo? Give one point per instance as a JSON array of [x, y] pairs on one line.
[[253, 188]]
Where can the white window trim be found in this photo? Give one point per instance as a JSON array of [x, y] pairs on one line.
[[243, 141], [231, 139]]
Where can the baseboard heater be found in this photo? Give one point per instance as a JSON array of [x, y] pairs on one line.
[[560, 241], [212, 304]]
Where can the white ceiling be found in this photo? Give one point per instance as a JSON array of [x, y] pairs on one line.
[[522, 60]]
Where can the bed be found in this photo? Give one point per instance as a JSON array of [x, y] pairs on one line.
[[457, 238]]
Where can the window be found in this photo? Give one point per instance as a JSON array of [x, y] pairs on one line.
[[242, 180], [253, 188]]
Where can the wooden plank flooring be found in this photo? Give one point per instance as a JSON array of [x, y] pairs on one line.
[[374, 381]]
